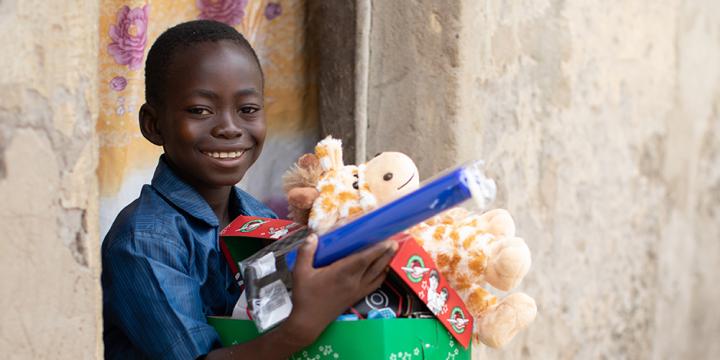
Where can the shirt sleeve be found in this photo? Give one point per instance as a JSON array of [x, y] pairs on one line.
[[154, 300]]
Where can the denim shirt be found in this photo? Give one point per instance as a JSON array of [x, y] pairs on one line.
[[163, 272]]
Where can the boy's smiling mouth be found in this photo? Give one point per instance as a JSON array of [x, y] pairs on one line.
[[225, 155]]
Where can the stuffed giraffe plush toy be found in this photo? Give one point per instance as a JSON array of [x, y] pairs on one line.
[[470, 250], [324, 193]]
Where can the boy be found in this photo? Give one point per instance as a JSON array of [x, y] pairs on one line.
[[163, 272]]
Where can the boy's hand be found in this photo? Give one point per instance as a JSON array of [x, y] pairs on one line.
[[321, 295]]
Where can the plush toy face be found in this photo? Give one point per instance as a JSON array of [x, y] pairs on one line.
[[391, 175], [342, 192]]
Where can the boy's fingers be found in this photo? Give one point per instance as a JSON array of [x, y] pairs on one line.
[[359, 262], [380, 264], [306, 253], [376, 282]]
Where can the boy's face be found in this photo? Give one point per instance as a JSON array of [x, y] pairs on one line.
[[212, 123]]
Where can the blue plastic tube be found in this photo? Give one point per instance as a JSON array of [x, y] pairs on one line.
[[436, 196]]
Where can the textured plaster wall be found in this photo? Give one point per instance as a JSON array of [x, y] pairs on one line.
[[49, 292], [413, 81], [601, 123]]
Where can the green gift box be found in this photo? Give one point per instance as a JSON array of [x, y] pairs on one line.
[[394, 339]]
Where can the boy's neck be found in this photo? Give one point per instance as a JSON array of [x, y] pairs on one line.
[[217, 197], [219, 200]]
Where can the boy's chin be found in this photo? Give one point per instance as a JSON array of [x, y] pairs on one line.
[[228, 180]]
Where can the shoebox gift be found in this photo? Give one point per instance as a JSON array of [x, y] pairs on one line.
[[415, 314], [381, 332]]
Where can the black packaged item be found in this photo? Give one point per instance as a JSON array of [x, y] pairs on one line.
[[390, 295], [268, 281]]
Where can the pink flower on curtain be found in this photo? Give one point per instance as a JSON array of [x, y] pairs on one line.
[[129, 36], [230, 12], [118, 83]]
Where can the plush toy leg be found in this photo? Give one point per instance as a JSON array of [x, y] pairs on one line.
[[321, 223], [508, 263], [498, 222], [300, 201], [302, 198], [497, 326], [478, 300]]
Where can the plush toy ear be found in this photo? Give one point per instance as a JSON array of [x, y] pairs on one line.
[[308, 161], [329, 153], [305, 172]]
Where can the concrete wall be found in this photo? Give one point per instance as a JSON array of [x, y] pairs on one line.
[[50, 292], [601, 123], [413, 81]]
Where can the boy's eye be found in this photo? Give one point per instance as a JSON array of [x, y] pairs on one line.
[[248, 109], [199, 111]]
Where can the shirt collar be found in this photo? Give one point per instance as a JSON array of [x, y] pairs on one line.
[[185, 197]]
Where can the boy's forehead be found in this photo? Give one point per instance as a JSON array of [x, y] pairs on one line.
[[197, 55], [221, 62]]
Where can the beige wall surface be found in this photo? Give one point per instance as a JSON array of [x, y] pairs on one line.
[[600, 121], [50, 291]]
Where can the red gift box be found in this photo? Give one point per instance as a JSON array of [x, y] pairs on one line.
[[418, 271]]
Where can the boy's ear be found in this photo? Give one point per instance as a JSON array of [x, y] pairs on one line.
[[149, 124]]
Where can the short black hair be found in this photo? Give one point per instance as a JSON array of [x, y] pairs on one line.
[[161, 53]]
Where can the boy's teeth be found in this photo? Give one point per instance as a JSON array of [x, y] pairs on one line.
[[225, 155]]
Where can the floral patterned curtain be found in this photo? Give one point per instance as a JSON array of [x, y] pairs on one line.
[[128, 28]]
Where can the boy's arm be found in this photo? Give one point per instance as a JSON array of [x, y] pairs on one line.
[[152, 303], [279, 343], [319, 297]]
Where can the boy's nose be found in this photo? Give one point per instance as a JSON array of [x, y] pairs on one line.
[[227, 127]]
